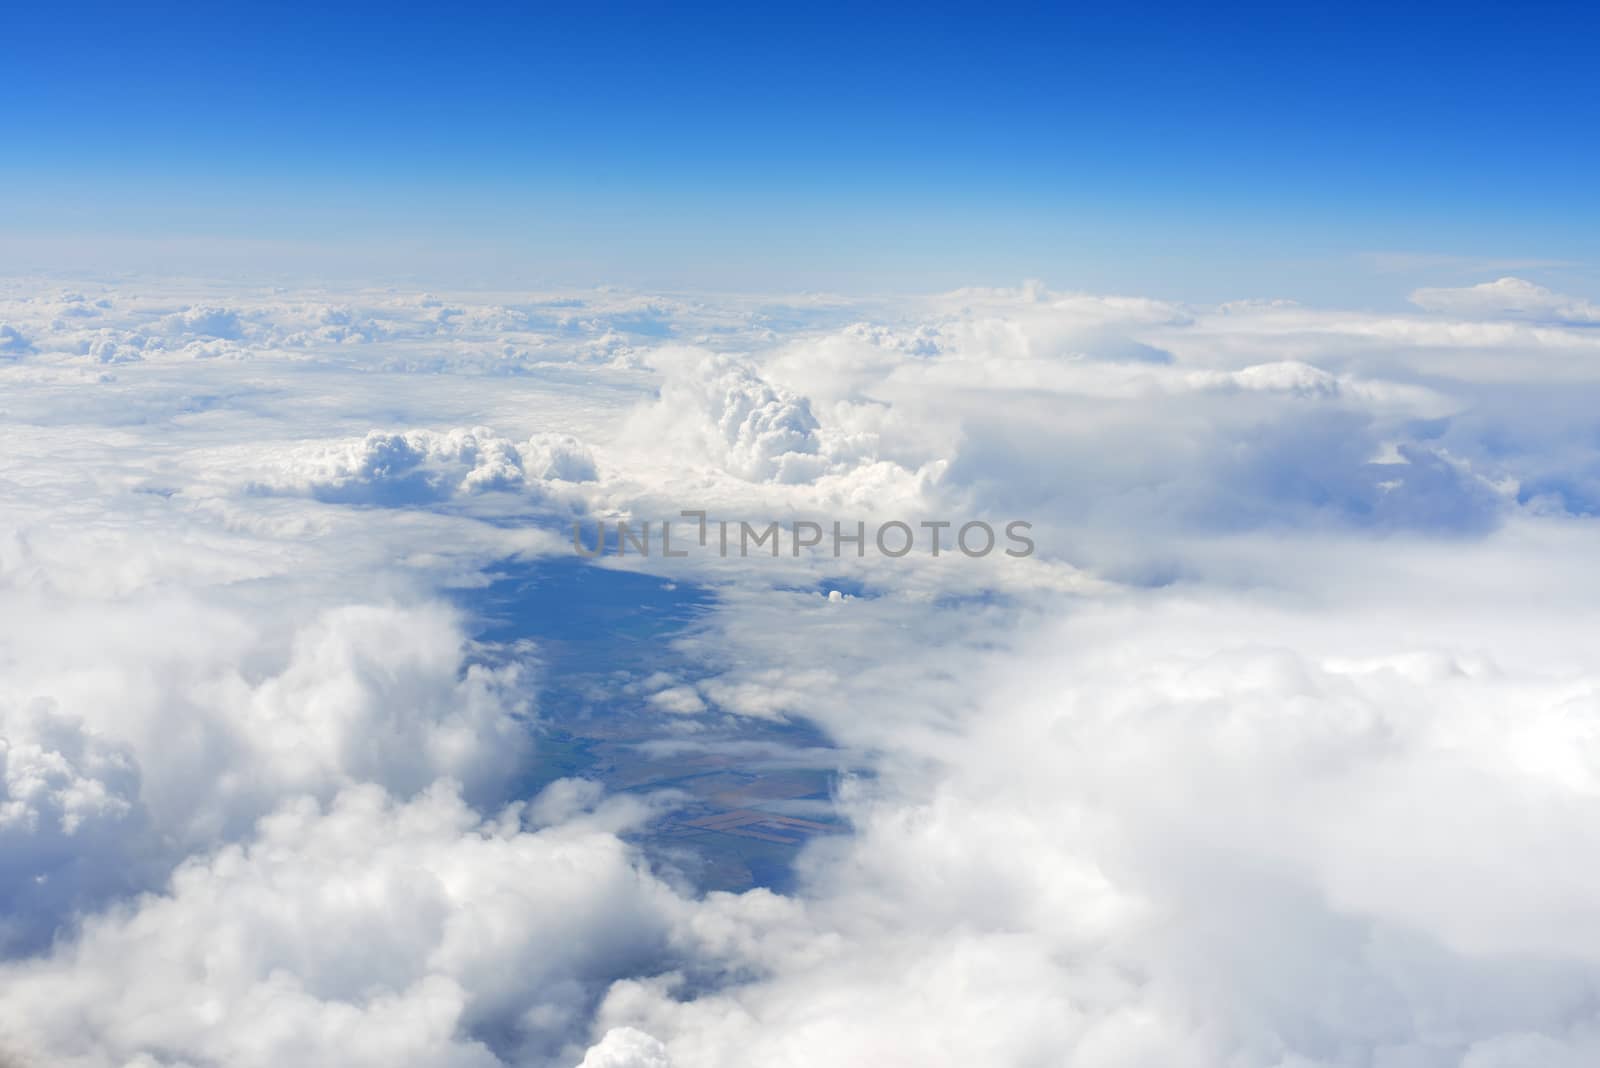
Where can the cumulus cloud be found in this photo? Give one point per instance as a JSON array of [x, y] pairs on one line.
[[363, 932], [418, 467], [723, 430], [205, 321], [560, 458], [626, 1047], [1511, 298], [202, 738], [71, 820], [723, 410], [1167, 841], [381, 694]]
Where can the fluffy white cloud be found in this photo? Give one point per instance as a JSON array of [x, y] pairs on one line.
[[365, 932], [625, 1047], [1198, 830], [421, 467], [205, 321], [559, 457], [71, 823], [223, 724], [1509, 298], [410, 467], [726, 412]]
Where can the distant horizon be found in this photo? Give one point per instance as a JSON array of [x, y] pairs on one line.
[[1371, 281]]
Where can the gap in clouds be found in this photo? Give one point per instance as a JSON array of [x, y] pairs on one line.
[[621, 704]]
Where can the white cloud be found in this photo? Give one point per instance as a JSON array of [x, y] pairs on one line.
[[71, 823], [1279, 753], [420, 467], [1511, 298], [205, 321], [414, 466], [625, 1047], [723, 410], [1196, 831], [559, 457], [226, 721], [365, 933]]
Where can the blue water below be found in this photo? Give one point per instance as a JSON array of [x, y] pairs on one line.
[[753, 791]]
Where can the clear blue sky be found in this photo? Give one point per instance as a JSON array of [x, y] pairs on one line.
[[1202, 152]]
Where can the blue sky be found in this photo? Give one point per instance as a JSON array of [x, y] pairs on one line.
[[1203, 154]]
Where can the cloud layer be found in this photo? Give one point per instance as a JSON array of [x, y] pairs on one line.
[[1278, 753]]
